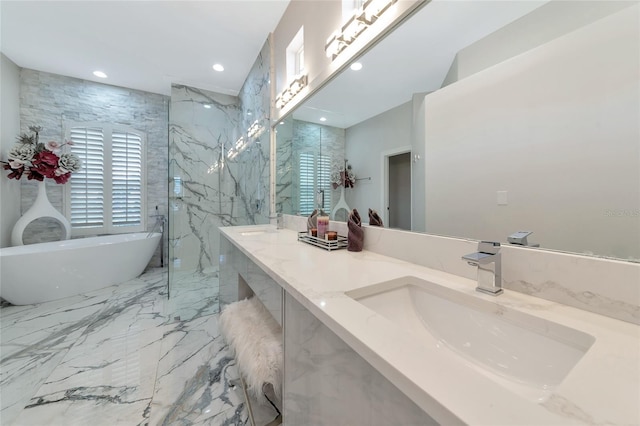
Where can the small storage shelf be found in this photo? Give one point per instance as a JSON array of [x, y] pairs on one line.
[[338, 244]]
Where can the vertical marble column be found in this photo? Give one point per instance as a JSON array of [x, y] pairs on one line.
[[229, 258], [328, 383]]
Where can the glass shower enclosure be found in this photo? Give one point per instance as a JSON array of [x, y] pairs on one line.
[[218, 176]]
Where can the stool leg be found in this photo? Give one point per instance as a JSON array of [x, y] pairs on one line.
[[246, 398], [278, 420], [265, 389], [275, 422]]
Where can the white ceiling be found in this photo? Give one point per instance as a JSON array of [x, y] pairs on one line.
[[413, 58], [145, 45]]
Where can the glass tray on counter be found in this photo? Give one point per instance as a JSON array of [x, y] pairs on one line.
[[338, 244]]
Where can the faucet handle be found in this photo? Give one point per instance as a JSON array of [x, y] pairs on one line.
[[490, 247]]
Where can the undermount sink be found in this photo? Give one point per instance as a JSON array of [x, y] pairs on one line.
[[526, 354], [257, 230]]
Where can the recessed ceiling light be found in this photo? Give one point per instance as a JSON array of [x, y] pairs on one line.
[[356, 66], [323, 119], [99, 74], [281, 123], [249, 113], [207, 106], [218, 67]]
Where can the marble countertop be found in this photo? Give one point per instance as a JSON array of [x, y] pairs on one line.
[[603, 388]]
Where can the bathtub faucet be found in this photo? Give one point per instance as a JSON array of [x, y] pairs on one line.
[[160, 220]]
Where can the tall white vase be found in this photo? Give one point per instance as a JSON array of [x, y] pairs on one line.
[[40, 208], [342, 204]]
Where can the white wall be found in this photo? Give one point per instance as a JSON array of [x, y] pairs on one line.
[[9, 130], [365, 145], [559, 17], [556, 127], [417, 171]]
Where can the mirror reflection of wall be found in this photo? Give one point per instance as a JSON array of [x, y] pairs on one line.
[[306, 153], [530, 126], [369, 146]]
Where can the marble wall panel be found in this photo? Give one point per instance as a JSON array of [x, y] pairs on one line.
[[255, 101], [284, 167], [50, 100]]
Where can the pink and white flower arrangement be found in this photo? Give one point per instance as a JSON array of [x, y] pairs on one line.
[[40, 160], [343, 176]]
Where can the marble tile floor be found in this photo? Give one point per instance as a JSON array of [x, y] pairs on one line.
[[123, 355]]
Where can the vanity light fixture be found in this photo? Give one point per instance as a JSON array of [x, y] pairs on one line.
[[218, 67], [283, 98], [335, 45], [354, 27], [290, 92], [362, 19], [100, 74], [375, 8]]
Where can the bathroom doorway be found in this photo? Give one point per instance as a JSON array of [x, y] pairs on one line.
[[397, 173]]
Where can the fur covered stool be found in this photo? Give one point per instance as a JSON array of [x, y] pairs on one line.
[[255, 340]]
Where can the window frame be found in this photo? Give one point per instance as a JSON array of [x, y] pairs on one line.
[[299, 61], [108, 227], [294, 64]]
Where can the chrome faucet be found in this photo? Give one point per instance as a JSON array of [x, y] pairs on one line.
[[488, 260], [278, 219]]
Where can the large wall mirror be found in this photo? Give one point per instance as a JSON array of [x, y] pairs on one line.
[[479, 119]]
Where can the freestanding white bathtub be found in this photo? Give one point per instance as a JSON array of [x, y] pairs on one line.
[[42, 272]]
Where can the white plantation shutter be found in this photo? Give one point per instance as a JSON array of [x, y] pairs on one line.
[[87, 184], [315, 174], [324, 181], [107, 195], [126, 187], [307, 183]]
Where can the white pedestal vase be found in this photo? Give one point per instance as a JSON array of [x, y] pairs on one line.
[[40, 208], [342, 204]]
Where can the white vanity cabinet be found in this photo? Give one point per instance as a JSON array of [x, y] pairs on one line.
[[325, 381], [240, 278], [351, 361]]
